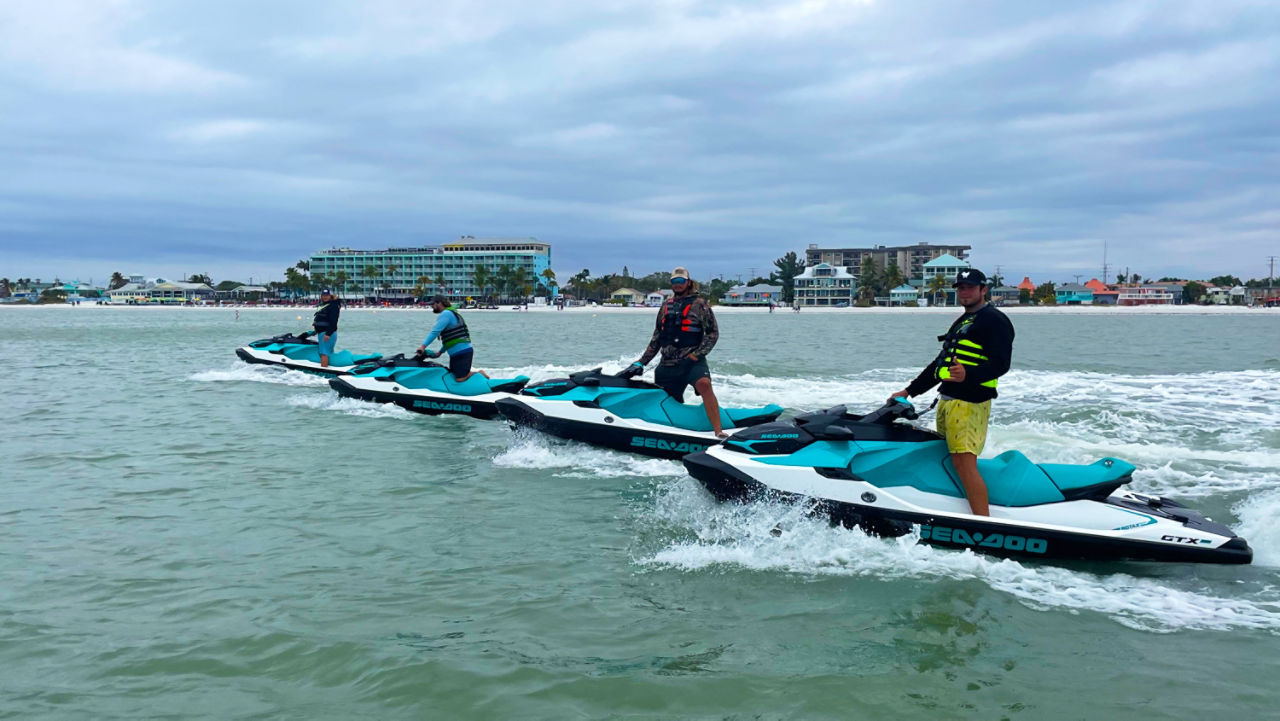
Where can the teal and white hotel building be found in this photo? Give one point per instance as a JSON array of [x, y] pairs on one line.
[[455, 262]]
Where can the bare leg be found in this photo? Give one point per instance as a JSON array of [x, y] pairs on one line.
[[975, 489], [710, 404], [324, 361]]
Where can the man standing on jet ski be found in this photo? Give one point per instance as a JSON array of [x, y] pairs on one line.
[[326, 325], [685, 332], [454, 338], [975, 352]]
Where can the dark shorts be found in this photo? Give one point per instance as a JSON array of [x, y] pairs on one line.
[[675, 378], [460, 363]]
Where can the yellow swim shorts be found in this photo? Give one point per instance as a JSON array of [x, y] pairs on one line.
[[964, 424]]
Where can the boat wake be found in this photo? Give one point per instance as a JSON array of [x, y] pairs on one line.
[[773, 537]]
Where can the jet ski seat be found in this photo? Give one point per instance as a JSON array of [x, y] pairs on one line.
[[438, 378], [341, 358], [1096, 480], [1013, 480], [655, 406]]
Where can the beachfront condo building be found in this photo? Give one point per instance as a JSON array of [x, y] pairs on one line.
[[825, 286], [910, 258], [450, 268]]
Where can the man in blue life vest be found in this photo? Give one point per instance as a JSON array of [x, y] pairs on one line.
[[684, 332], [326, 324], [976, 351], [454, 337]]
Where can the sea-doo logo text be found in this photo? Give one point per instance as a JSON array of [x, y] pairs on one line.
[[943, 534], [447, 407], [779, 435], [1180, 539], [659, 444]]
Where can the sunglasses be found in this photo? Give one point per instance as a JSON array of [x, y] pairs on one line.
[[679, 281]]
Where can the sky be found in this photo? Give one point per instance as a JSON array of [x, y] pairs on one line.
[[233, 138]]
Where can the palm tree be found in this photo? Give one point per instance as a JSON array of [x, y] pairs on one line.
[[868, 278], [117, 281], [503, 280], [937, 285], [424, 282], [442, 284], [893, 276], [369, 272], [391, 271], [303, 265], [481, 278], [340, 279], [4, 288], [549, 276]]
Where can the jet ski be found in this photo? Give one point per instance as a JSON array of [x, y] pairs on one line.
[[421, 386], [890, 477], [300, 352], [622, 413]]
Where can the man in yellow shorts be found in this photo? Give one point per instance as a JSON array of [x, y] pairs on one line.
[[976, 351]]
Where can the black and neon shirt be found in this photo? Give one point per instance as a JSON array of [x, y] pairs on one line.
[[981, 341]]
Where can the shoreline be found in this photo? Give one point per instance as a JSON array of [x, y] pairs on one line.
[[721, 309]]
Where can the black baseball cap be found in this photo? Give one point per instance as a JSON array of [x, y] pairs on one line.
[[970, 276], [440, 299], [326, 291]]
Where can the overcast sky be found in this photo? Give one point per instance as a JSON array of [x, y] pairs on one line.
[[229, 137]]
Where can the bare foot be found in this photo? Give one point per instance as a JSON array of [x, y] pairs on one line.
[[721, 434]]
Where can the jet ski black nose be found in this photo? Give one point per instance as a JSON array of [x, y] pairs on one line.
[[724, 481]]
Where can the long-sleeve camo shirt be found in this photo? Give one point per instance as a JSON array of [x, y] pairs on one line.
[[700, 312]]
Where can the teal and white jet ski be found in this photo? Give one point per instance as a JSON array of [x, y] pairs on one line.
[[621, 413], [890, 477], [421, 386], [300, 352]]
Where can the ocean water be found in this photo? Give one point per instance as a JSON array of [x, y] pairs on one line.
[[186, 536]]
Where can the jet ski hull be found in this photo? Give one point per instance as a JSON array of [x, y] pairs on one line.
[[430, 402], [1159, 530], [579, 422], [253, 355]]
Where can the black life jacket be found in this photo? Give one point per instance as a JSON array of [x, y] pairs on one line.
[[450, 337], [957, 348], [678, 329]]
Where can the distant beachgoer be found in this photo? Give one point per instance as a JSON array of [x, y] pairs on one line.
[[326, 324], [685, 331], [975, 352], [455, 339]]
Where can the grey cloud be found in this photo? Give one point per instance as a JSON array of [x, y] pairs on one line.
[[635, 132]]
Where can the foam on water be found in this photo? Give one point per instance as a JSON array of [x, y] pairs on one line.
[[740, 535], [260, 374], [578, 460], [351, 406], [1260, 524]]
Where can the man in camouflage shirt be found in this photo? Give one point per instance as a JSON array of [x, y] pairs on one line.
[[684, 333]]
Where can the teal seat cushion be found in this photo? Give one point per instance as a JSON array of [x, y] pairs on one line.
[[1068, 477], [1013, 480], [655, 406], [440, 379]]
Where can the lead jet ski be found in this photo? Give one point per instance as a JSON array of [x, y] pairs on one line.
[[300, 352], [622, 413], [421, 386], [890, 477]]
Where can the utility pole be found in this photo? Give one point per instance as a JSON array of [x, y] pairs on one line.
[[1077, 275], [1271, 273], [1105, 268]]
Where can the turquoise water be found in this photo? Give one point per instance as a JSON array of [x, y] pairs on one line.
[[186, 536]]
